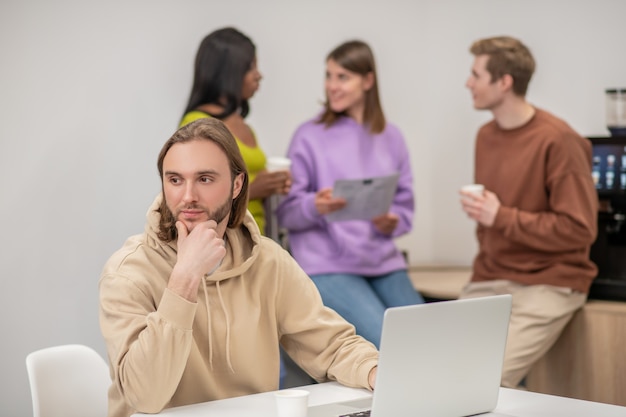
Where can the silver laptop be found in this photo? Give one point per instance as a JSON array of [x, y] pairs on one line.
[[441, 359]]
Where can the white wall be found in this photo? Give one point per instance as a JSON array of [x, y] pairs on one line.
[[89, 91]]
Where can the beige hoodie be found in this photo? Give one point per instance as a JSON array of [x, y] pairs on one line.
[[165, 351]]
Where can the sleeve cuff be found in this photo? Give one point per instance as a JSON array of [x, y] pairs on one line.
[[364, 372], [177, 310], [504, 218]]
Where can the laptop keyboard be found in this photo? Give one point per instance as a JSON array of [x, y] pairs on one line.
[[365, 413]]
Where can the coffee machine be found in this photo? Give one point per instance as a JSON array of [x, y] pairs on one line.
[[609, 249]]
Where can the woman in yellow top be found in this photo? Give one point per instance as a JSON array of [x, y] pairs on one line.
[[225, 78]]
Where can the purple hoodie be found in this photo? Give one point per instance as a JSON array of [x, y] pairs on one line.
[[345, 150]]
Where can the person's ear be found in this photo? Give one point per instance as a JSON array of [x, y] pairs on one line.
[[237, 185], [506, 82]]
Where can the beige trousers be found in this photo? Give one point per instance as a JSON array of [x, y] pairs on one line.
[[538, 316]]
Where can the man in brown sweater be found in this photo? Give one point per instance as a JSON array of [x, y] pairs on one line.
[[536, 219]]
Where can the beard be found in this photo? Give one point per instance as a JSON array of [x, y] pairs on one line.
[[219, 214]]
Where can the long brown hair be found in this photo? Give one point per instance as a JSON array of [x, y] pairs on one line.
[[213, 130], [356, 56]]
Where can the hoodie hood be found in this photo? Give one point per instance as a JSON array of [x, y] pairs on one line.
[[242, 244]]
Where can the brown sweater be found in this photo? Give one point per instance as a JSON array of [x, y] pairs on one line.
[[542, 234]]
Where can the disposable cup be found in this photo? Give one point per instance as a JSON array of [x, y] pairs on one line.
[[292, 402], [476, 189], [278, 163]]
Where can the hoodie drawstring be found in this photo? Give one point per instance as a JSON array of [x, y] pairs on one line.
[[208, 316], [219, 295], [208, 312]]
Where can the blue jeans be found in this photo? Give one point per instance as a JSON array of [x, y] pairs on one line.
[[363, 300]]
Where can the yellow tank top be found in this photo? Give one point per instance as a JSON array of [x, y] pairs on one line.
[[255, 161]]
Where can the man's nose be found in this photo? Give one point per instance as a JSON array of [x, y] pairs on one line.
[[190, 193]]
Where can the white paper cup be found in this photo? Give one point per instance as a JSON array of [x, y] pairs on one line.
[[476, 189], [278, 163], [292, 402]]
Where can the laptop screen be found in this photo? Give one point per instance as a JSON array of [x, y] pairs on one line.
[[437, 359]]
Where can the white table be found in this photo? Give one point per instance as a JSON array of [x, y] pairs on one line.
[[511, 403]]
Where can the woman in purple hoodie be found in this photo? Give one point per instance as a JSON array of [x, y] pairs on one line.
[[355, 264]]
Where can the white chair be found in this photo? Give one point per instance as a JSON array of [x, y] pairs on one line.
[[68, 381]]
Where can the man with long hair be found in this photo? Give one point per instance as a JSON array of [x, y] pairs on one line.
[[194, 309]]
